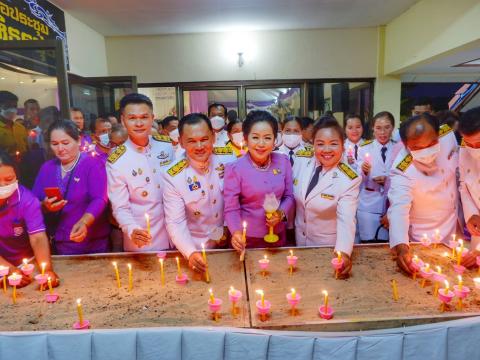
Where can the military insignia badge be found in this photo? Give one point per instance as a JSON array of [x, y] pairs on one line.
[[134, 173], [276, 171], [195, 184], [327, 196], [163, 155]]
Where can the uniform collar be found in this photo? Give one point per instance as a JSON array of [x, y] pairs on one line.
[[140, 149]]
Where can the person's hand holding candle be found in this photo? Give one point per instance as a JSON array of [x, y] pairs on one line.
[[141, 237], [403, 258], [195, 261], [366, 165], [237, 241], [469, 260], [344, 272]]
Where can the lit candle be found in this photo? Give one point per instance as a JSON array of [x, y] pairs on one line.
[[25, 261], [13, 279], [204, 255], [325, 299], [350, 151], [395, 289], [367, 158], [339, 256], [293, 293], [447, 287], [130, 277], [244, 240], [427, 267], [147, 219], [454, 236], [50, 289], [460, 283], [117, 274], [178, 267], [162, 274], [212, 298], [232, 290], [439, 270], [4, 270], [43, 265], [262, 297], [459, 255], [291, 253], [80, 311]]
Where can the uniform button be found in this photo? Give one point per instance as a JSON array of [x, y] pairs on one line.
[[216, 215], [145, 193], [158, 186], [303, 233], [211, 187], [154, 171], [214, 201], [305, 221]]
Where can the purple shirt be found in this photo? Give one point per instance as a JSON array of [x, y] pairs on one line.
[[245, 188], [20, 217], [87, 194], [85, 142]]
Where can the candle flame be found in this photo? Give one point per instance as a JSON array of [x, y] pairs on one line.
[[427, 267], [460, 241], [43, 265], [265, 257], [176, 258], [459, 277], [114, 263], [291, 252], [325, 292], [232, 289], [203, 246], [446, 285], [79, 301], [244, 225], [260, 292], [25, 261], [415, 258], [293, 290], [439, 269], [129, 266], [161, 261], [210, 291], [445, 254]]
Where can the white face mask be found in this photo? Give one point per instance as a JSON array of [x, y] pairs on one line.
[[426, 156], [7, 190], [475, 153], [174, 135], [104, 139], [278, 140], [291, 140], [217, 122], [9, 114], [237, 139]]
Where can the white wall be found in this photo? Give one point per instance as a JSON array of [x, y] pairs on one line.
[[86, 48], [268, 55]]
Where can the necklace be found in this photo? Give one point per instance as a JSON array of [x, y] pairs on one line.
[[264, 167], [71, 167]]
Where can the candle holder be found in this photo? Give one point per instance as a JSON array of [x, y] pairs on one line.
[[41, 280], [445, 297], [264, 309], [325, 313], [27, 269], [215, 307], [292, 262], [263, 263], [162, 255], [270, 237], [438, 278], [293, 302], [84, 325], [337, 265], [51, 298], [459, 269], [4, 270], [181, 279], [461, 294], [14, 280], [426, 274], [234, 296]]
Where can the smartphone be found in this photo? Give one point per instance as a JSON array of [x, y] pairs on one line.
[[53, 192]]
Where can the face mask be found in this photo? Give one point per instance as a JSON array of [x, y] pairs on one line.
[[9, 114], [426, 156], [475, 153], [174, 135], [7, 190], [237, 139], [291, 140], [104, 139], [278, 140], [217, 122]]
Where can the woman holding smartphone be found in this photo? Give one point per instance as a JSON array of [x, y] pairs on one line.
[[73, 190]]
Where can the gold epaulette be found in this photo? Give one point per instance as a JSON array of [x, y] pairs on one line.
[[444, 130], [462, 143], [177, 168], [223, 150], [405, 163], [347, 170], [304, 153], [162, 138], [114, 156], [366, 142]]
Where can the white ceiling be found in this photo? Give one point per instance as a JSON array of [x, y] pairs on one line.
[[149, 17]]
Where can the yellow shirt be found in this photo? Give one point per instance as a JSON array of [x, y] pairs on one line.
[[14, 138]]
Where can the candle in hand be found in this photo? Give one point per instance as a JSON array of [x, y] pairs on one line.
[[339, 256], [130, 277], [244, 232], [325, 299], [262, 297], [80, 311], [147, 219], [117, 274], [204, 255]]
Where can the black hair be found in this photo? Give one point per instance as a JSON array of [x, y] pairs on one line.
[[31, 101], [232, 123], [215, 105], [167, 120], [100, 119], [328, 122], [425, 117], [74, 108], [353, 116], [135, 98], [48, 116], [256, 116], [306, 122], [7, 160], [232, 115], [292, 118], [421, 101], [447, 117], [7, 96], [118, 128], [66, 125], [469, 122], [384, 114], [192, 119]]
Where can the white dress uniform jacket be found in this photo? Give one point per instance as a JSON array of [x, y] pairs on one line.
[[470, 188], [298, 152], [421, 203], [349, 147], [327, 215], [221, 138], [135, 188], [194, 204], [373, 197]]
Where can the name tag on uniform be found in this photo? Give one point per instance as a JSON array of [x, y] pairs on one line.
[[327, 196], [295, 182]]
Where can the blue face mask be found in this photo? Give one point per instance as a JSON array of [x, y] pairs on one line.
[[104, 140]]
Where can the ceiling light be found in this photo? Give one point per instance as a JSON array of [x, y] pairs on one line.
[[21, 82], [2, 78]]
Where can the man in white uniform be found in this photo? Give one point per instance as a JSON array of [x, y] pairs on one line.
[[469, 164], [423, 192], [134, 177], [193, 195], [217, 113]]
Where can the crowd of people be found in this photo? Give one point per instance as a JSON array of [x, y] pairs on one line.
[[216, 181]]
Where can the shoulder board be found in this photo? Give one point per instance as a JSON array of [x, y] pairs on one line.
[[177, 168], [405, 163], [347, 170], [444, 130], [304, 153], [223, 150], [462, 143], [119, 151], [366, 142], [162, 138]]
